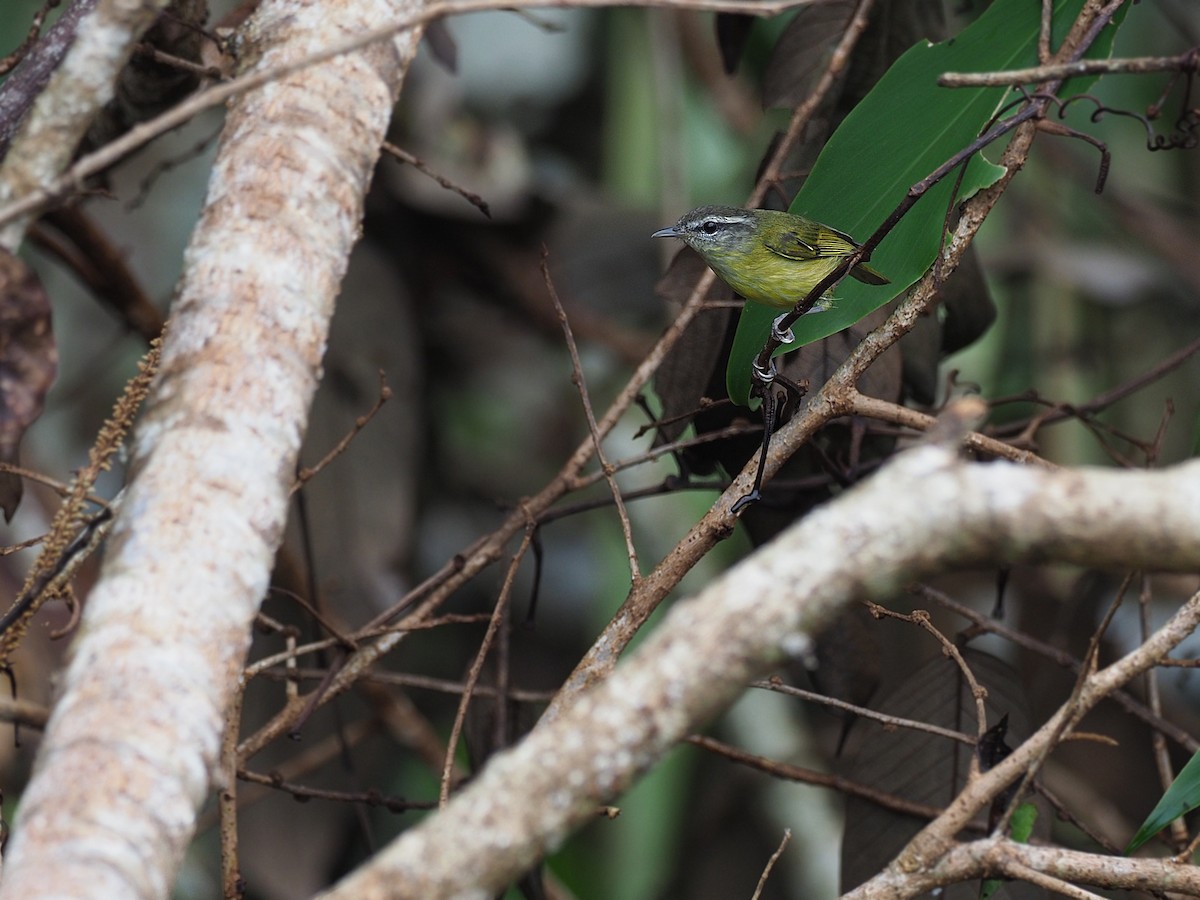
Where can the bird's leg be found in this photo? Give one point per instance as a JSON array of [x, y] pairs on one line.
[[772, 408], [780, 335], [1001, 586], [763, 375]]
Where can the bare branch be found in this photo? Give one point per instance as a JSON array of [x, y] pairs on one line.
[[1184, 62], [762, 881], [79, 87], [110, 810], [607, 469], [874, 538]]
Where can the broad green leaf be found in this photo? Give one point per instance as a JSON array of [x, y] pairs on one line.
[[1181, 797], [902, 131]]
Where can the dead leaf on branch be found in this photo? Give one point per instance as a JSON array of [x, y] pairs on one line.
[[28, 363]]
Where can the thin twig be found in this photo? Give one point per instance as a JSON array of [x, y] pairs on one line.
[[323, 620], [1062, 412], [408, 680], [1158, 743], [799, 774], [313, 757], [862, 712], [766, 873], [369, 797], [921, 618], [882, 410], [308, 472], [61, 488], [838, 60], [10, 549], [1188, 61], [260, 666], [1045, 32], [169, 60], [10, 61], [498, 614], [1060, 657], [1024, 873], [24, 713], [227, 800], [417, 163], [635, 572]]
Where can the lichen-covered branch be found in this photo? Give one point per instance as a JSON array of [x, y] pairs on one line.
[[132, 742]]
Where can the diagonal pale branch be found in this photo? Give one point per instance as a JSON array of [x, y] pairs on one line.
[[869, 543], [130, 746]]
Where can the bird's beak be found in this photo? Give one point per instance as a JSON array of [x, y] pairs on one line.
[[666, 232]]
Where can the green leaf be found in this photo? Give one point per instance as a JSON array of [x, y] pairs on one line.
[[1181, 797], [1020, 828], [902, 131], [1023, 819], [989, 888]]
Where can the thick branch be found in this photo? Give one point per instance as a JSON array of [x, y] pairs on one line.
[[132, 742], [999, 856], [924, 512]]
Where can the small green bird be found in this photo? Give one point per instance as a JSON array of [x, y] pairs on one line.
[[773, 258]]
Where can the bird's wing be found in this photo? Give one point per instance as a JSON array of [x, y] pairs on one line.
[[809, 241]]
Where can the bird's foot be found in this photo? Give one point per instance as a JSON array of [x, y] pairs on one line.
[[778, 334], [764, 374]]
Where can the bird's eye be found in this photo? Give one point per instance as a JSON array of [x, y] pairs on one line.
[[709, 227]]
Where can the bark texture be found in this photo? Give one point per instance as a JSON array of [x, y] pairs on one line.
[[77, 90], [132, 742]]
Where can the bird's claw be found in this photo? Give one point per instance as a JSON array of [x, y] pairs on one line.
[[745, 500], [778, 334], [764, 374]]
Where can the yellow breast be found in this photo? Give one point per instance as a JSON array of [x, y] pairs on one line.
[[767, 278]]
